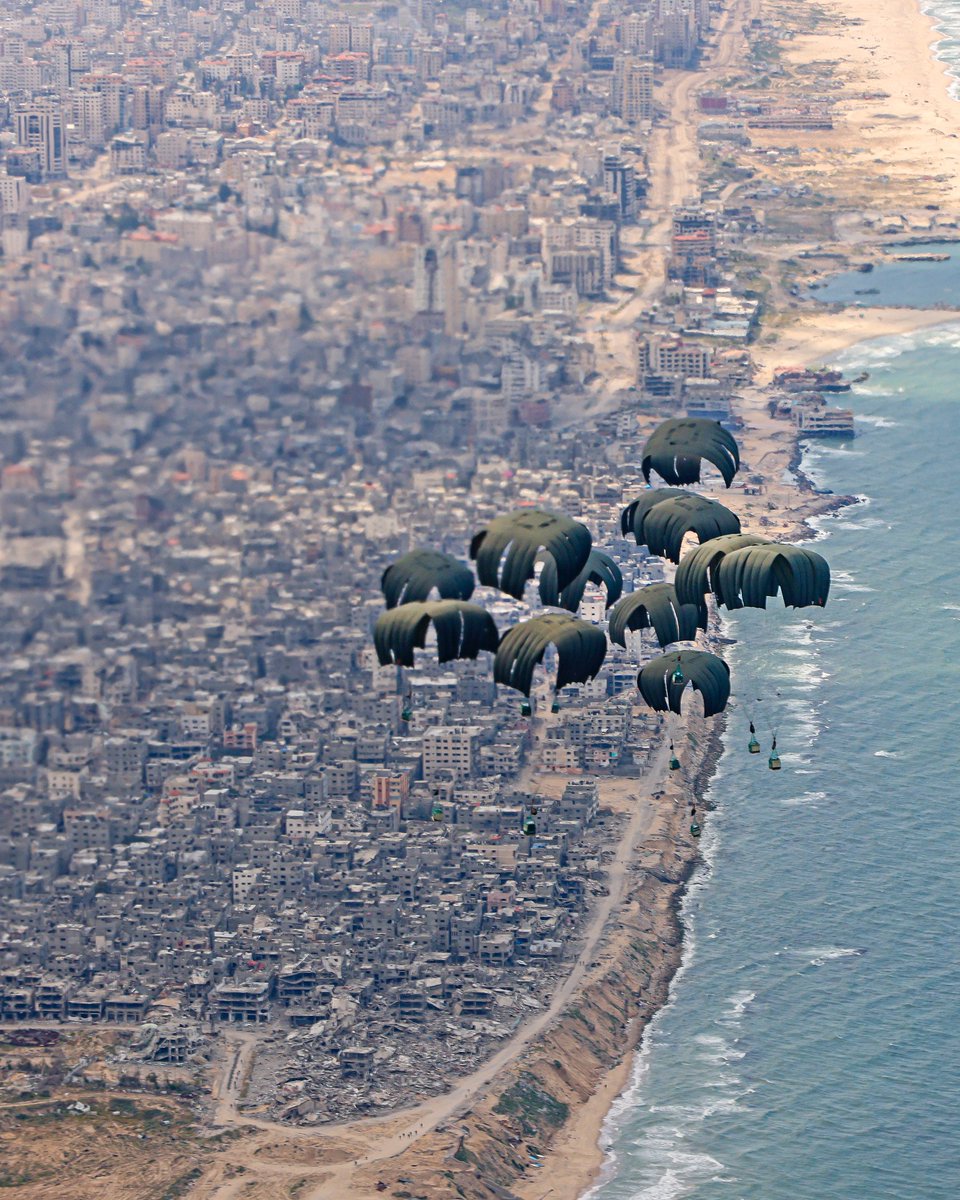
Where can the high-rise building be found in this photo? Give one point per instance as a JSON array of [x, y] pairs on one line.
[[631, 90], [147, 108], [435, 287], [88, 112], [619, 180], [111, 88], [40, 126], [14, 195], [69, 61]]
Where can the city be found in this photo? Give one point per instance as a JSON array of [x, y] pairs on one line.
[[286, 290]]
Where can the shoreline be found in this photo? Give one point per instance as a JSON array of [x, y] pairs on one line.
[[805, 338], [810, 339], [557, 1094]]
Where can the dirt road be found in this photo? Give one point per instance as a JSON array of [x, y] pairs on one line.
[[673, 163], [400, 1129]]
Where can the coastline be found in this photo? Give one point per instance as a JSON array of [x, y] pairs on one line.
[[564, 1081], [577, 1157], [807, 339], [804, 338]]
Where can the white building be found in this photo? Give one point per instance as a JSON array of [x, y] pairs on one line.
[[450, 748]]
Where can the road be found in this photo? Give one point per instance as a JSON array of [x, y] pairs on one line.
[[673, 163], [420, 1119]]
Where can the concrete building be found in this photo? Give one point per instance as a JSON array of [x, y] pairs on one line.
[[41, 127]]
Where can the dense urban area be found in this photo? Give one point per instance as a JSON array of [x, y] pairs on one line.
[[286, 290]]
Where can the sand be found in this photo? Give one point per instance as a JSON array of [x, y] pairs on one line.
[[904, 147], [899, 126], [809, 339], [901, 149]]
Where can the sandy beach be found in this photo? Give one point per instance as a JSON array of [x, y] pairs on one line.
[[897, 140], [810, 339], [901, 147]]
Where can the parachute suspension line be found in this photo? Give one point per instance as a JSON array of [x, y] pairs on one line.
[[773, 762], [670, 720], [753, 745], [671, 730]]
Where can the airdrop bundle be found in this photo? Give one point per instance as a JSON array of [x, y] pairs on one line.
[[737, 570]]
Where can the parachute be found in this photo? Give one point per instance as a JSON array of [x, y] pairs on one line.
[[599, 569], [743, 570], [696, 574], [462, 629], [663, 680], [581, 649], [676, 450], [415, 575], [662, 527], [746, 577], [632, 517], [518, 537], [657, 607]]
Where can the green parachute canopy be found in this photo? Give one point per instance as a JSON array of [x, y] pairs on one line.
[[663, 680], [656, 607], [599, 569], [416, 574], [581, 649], [746, 577], [663, 526], [742, 571], [634, 515], [507, 549], [676, 450], [462, 630], [697, 572]]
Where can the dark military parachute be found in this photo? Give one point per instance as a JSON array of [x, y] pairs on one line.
[[656, 607], [518, 537], [581, 649], [746, 577], [676, 450], [463, 630], [743, 570], [599, 569], [697, 572], [663, 680], [415, 575], [633, 516], [662, 527]]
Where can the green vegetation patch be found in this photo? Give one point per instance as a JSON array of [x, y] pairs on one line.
[[529, 1100]]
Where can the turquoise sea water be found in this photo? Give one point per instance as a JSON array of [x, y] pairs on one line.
[[812, 1047], [930, 284]]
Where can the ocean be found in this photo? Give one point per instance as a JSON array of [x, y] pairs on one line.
[[811, 1046], [929, 284]]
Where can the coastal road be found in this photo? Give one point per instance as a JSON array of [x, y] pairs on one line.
[[673, 161], [426, 1116], [418, 1120]]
